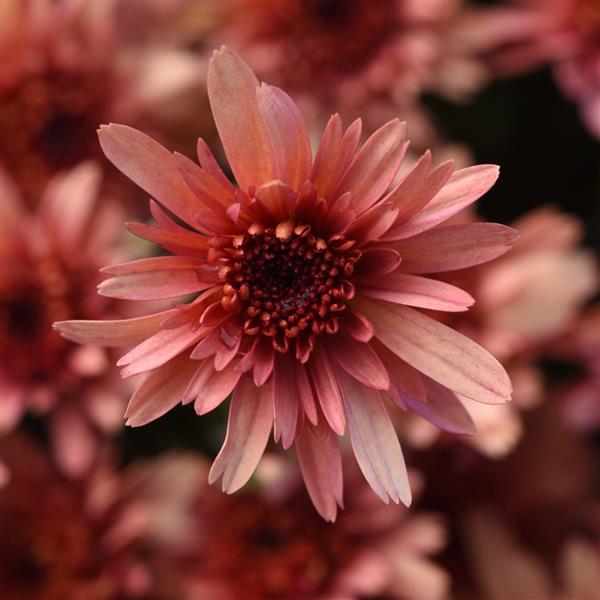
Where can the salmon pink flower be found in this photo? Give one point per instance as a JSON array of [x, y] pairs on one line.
[[310, 277], [50, 261]]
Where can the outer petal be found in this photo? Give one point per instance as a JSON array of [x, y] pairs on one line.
[[374, 166], [443, 354], [321, 465], [286, 401], [123, 332], [413, 290], [463, 188], [152, 167], [455, 247], [375, 442], [443, 409], [327, 389], [208, 387], [288, 135], [248, 430], [232, 91], [160, 392], [188, 243]]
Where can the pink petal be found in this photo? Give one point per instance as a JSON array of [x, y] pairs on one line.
[[73, 441], [305, 392], [455, 247], [248, 430], [327, 389], [375, 442], [406, 381], [188, 244], [232, 91], [377, 261], [277, 200], [286, 401], [359, 360], [160, 392], [463, 188], [112, 333], [208, 388], [374, 166], [288, 135], [321, 465], [151, 166], [334, 155], [417, 291], [68, 202], [358, 326], [159, 277], [417, 189], [160, 348], [443, 408], [443, 354]]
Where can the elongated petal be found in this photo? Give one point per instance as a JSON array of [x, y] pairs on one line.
[[160, 392], [455, 247], [377, 261], [305, 392], [374, 166], [232, 93], [123, 332], [159, 349], [188, 244], [286, 401], [288, 135], [443, 408], [443, 354], [327, 389], [413, 290], [375, 442], [152, 167], [463, 188], [208, 388], [359, 360], [321, 465], [358, 326], [248, 429]]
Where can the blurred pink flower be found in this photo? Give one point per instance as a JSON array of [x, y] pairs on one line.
[[50, 261], [503, 568], [369, 57], [308, 273], [565, 34], [66, 69], [274, 546], [96, 538]]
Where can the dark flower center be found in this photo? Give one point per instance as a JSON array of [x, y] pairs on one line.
[[285, 281]]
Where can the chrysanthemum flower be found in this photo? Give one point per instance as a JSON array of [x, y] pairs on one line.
[[276, 546], [50, 261], [308, 273]]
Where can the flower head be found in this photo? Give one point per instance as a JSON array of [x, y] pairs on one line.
[[308, 272], [50, 259]]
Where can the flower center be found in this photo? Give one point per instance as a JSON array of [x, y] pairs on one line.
[[285, 281]]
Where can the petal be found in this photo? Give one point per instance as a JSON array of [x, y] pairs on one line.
[[188, 243], [377, 261], [463, 188], [288, 135], [375, 442], [359, 360], [152, 167], [248, 429], [358, 326], [455, 247], [232, 91], [123, 332], [305, 392], [327, 389], [321, 466], [417, 291], [160, 392], [374, 166], [443, 354], [276, 200], [443, 408], [286, 401], [208, 388], [159, 277], [68, 202], [334, 155]]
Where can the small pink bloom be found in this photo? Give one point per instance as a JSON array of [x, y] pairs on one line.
[[310, 275], [50, 261]]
